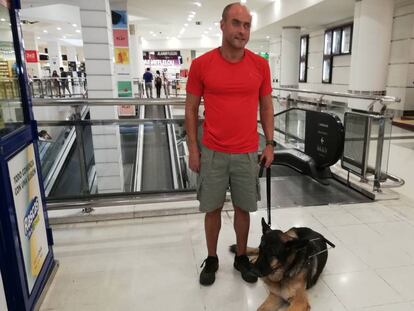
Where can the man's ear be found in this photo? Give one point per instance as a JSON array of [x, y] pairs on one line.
[[265, 227]]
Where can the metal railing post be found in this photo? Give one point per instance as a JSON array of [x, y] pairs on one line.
[[365, 156], [378, 160]]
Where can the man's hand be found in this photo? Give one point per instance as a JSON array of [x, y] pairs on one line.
[[267, 156], [194, 161]]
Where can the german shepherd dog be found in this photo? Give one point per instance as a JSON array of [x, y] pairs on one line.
[[288, 263]]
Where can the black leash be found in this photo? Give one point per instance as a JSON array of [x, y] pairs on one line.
[[268, 190]]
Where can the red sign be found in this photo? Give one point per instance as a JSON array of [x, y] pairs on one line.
[[121, 37], [31, 56]]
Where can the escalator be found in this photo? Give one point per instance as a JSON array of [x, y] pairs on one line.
[[308, 144]]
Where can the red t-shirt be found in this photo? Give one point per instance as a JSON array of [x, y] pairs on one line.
[[231, 94]]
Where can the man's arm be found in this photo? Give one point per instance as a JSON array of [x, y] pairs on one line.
[[192, 103], [267, 121]]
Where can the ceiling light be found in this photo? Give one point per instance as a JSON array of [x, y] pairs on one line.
[[197, 4], [243, 1], [38, 38], [267, 37], [77, 30], [209, 28], [58, 28], [64, 37], [185, 25], [168, 38], [216, 24], [74, 25], [2, 19], [189, 19], [192, 13], [45, 31]]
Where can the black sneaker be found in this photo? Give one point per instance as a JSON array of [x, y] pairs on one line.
[[243, 264], [208, 274]]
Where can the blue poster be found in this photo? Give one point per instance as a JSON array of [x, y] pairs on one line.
[[119, 19]]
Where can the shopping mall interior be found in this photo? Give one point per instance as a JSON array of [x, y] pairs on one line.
[[98, 202]]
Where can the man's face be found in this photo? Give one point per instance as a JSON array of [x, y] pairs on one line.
[[236, 27]]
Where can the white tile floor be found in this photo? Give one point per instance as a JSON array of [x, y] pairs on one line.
[[153, 263]]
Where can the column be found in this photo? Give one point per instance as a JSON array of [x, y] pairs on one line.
[[370, 49], [55, 56], [99, 52], [74, 81], [289, 71], [72, 54], [137, 55], [30, 44]]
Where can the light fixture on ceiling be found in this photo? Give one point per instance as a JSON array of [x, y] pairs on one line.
[[209, 28], [58, 28], [268, 37], [2, 19], [38, 38], [45, 31], [243, 1], [216, 23], [185, 25], [197, 4], [189, 19], [74, 25], [77, 30], [64, 37]]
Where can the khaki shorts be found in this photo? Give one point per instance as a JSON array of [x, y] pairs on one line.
[[219, 171]]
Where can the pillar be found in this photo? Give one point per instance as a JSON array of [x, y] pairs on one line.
[[99, 53], [137, 55], [30, 44], [289, 71], [55, 56], [370, 49]]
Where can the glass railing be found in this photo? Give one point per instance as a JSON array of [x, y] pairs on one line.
[[58, 87]]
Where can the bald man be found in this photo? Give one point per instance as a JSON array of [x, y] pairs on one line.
[[234, 83]]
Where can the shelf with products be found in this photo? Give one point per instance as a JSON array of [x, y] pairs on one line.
[[4, 69]]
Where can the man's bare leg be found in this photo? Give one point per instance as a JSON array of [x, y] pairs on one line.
[[241, 227], [212, 226]]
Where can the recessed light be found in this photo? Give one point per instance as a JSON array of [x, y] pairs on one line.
[[267, 37], [58, 28], [197, 4], [209, 28], [77, 30], [189, 19], [74, 25], [45, 31], [2, 19], [216, 24], [192, 13], [64, 37], [243, 1], [168, 38], [185, 25], [38, 38]]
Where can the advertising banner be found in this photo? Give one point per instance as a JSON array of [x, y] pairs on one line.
[[119, 19], [124, 89], [31, 56], [120, 37], [121, 56], [28, 203]]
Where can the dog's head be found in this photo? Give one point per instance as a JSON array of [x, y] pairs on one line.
[[276, 251]]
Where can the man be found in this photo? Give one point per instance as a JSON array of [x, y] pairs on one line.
[[233, 81], [148, 83]]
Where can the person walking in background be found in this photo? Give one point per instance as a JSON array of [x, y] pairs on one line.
[[165, 84], [228, 155], [55, 83], [158, 83], [64, 81], [148, 82]]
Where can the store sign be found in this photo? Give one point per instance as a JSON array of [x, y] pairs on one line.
[[120, 37], [171, 55], [28, 204], [122, 56], [31, 56], [161, 62]]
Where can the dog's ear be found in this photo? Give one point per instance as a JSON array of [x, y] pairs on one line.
[[265, 227], [296, 244]]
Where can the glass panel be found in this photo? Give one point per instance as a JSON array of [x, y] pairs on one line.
[[326, 73], [302, 71], [336, 43], [11, 112], [291, 128], [303, 46], [346, 40], [328, 43]]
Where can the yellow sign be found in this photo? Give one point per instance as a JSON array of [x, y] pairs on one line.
[[121, 56]]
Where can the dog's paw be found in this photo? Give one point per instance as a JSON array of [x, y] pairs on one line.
[[233, 248]]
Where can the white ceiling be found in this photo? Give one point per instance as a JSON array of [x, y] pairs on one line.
[[161, 19]]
